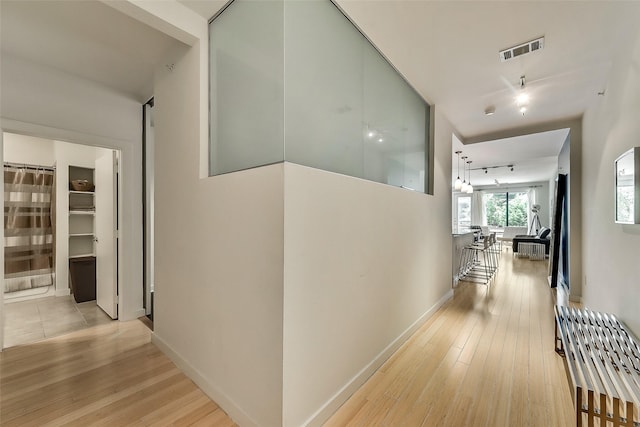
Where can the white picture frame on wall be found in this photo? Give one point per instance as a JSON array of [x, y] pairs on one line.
[[627, 187]]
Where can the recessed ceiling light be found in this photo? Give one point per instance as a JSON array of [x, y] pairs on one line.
[[490, 110]]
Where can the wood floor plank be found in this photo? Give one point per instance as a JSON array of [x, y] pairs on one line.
[[175, 409], [487, 360], [106, 375], [195, 416], [69, 403]]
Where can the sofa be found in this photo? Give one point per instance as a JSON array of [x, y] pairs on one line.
[[542, 237]]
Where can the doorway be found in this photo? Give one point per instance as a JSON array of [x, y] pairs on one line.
[[148, 152], [81, 213]]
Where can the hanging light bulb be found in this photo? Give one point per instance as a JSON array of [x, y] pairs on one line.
[[522, 100], [469, 186], [458, 184], [463, 187]]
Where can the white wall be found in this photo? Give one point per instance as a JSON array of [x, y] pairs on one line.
[[49, 97], [219, 260], [364, 263], [542, 198], [48, 103], [611, 266], [222, 301], [29, 150]]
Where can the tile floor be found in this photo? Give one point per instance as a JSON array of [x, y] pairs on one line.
[[37, 319]]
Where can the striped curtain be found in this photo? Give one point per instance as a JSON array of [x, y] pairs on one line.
[[28, 231]]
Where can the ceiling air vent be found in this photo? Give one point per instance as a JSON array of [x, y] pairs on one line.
[[521, 49]]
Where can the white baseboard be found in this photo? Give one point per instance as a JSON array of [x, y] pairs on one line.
[[63, 292], [234, 411], [319, 417], [332, 405]]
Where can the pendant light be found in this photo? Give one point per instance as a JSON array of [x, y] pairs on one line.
[[469, 186], [458, 184], [522, 100], [463, 187]]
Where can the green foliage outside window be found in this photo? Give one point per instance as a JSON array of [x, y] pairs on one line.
[[625, 204], [496, 208], [497, 213]]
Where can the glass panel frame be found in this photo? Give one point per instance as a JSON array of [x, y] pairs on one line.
[[340, 120], [502, 203]]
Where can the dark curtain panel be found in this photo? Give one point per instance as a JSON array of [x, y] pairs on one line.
[[28, 229]]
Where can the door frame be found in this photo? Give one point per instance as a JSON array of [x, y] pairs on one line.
[[148, 170], [129, 210]]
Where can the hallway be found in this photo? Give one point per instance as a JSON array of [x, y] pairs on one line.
[[486, 358]]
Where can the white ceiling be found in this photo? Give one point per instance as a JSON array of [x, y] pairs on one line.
[[447, 50], [205, 8], [87, 39], [534, 158]]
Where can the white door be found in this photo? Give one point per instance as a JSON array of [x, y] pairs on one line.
[[105, 225]]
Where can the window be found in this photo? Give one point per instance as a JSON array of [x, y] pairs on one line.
[[506, 209], [296, 81], [463, 212]]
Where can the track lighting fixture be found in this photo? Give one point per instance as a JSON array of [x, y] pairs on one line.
[[486, 168]]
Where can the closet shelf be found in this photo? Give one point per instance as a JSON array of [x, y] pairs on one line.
[[80, 234], [82, 212], [81, 192], [81, 255]]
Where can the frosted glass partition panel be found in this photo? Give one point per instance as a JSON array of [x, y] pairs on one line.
[[323, 88], [347, 110], [342, 106], [247, 86]]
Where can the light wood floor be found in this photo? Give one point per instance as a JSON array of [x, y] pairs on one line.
[[109, 375], [486, 358]]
